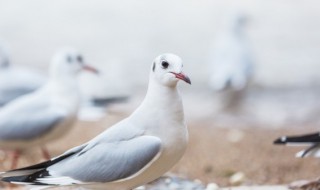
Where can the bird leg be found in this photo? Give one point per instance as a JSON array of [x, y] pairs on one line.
[[15, 159], [45, 153]]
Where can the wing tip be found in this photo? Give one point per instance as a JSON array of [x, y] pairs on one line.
[[13, 179], [280, 141]]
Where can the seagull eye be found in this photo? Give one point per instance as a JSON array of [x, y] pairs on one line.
[[165, 64], [79, 59]]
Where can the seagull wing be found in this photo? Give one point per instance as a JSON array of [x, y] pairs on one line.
[[100, 160], [307, 138], [312, 140], [27, 120]]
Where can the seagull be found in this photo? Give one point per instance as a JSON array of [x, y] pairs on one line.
[[134, 151], [231, 61], [15, 80], [46, 114], [312, 140]]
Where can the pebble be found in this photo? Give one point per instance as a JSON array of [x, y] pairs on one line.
[[237, 178], [174, 183], [212, 186]]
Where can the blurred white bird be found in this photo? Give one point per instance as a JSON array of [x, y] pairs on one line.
[[230, 64], [311, 140], [46, 114], [231, 61], [134, 151], [16, 81]]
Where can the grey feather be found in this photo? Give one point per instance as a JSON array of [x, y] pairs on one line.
[[106, 162], [7, 95], [28, 122]]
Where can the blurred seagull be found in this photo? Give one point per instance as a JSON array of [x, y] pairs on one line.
[[16, 81], [231, 62], [311, 140], [132, 152], [46, 114]]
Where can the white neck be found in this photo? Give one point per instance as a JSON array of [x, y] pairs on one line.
[[161, 99], [161, 93], [64, 91]]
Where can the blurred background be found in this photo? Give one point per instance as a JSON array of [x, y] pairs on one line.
[[122, 38]]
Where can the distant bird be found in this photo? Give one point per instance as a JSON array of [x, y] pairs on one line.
[[46, 114], [134, 151], [231, 60], [311, 140], [230, 64], [16, 81]]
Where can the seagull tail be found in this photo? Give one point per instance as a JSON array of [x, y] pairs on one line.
[[29, 179], [30, 175]]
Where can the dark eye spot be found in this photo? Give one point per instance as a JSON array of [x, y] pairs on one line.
[[79, 58], [165, 64], [154, 66]]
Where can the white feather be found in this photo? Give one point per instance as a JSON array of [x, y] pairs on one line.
[[59, 180]]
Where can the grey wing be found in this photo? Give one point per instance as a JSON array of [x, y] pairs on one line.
[[106, 162], [9, 95], [28, 122]]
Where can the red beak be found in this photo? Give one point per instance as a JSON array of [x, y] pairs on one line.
[[183, 77], [90, 68]]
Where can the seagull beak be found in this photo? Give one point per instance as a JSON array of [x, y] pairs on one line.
[[90, 68], [183, 77]]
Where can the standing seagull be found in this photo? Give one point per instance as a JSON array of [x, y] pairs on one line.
[[231, 61], [132, 152], [312, 140], [46, 114], [16, 81]]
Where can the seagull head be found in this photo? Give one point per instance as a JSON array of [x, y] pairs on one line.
[[69, 61], [238, 21], [167, 70]]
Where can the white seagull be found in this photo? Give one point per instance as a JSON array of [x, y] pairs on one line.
[[46, 114], [231, 61], [134, 151], [311, 140], [16, 81]]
